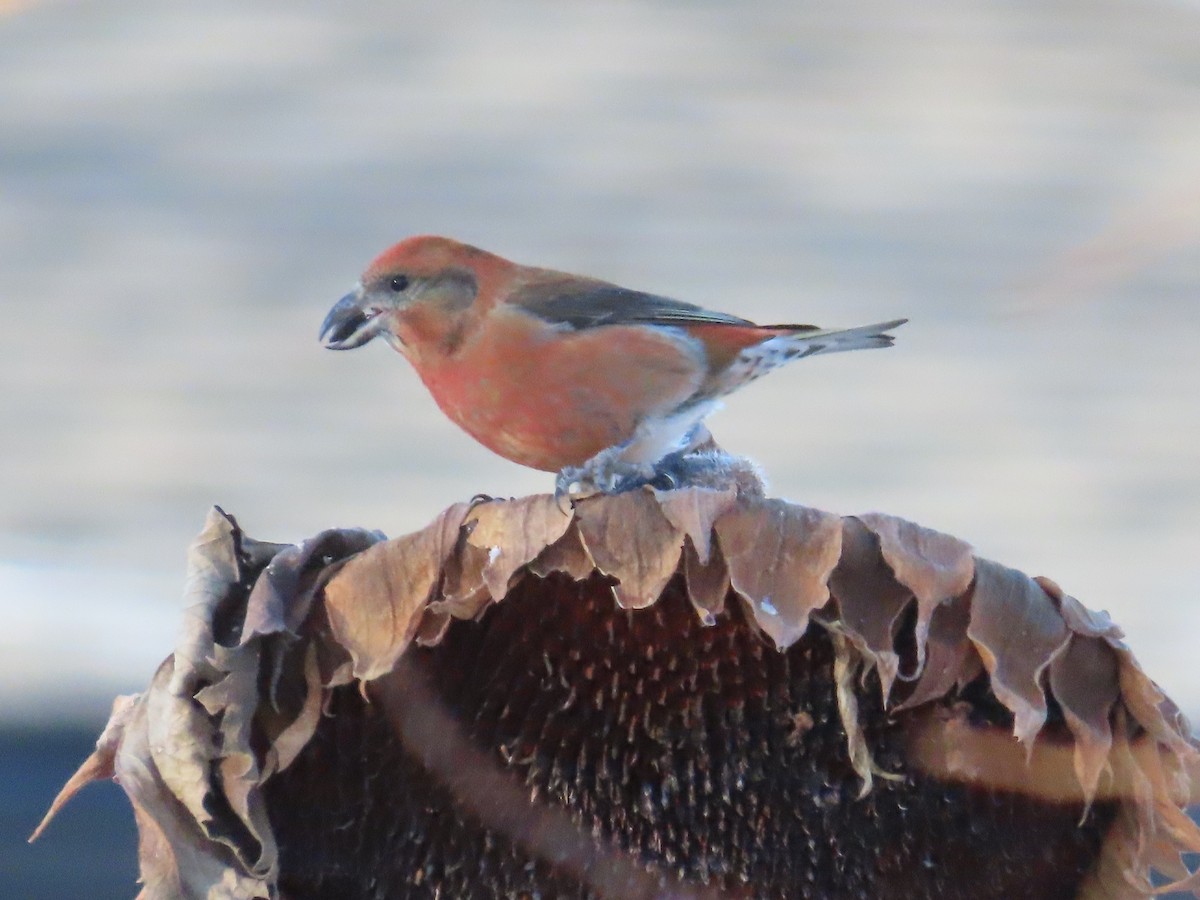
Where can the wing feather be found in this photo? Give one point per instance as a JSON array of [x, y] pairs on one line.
[[583, 304]]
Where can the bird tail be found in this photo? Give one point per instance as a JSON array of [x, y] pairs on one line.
[[803, 340], [791, 342]]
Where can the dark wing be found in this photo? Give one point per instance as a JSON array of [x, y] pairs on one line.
[[583, 303]]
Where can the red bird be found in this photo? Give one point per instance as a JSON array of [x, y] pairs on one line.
[[603, 384]]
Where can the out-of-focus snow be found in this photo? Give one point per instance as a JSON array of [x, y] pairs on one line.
[[75, 638]]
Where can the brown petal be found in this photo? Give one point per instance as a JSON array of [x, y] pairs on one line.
[[567, 554], [1080, 619], [934, 566], [693, 511], [511, 533], [275, 600], [292, 739], [98, 766], [232, 704], [433, 626], [949, 659], [1148, 706], [1018, 632], [1084, 681], [870, 599], [707, 583], [462, 591], [630, 539], [373, 601], [780, 557]]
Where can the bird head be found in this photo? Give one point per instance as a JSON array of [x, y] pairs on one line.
[[435, 275]]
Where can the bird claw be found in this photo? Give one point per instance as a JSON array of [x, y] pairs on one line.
[[480, 499], [568, 488], [567, 509], [664, 481], [573, 484]]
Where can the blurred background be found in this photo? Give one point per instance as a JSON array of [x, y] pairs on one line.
[[186, 188]]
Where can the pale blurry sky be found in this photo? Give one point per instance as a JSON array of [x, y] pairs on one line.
[[186, 188]]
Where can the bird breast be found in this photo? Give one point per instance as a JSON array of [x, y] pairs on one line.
[[546, 397]]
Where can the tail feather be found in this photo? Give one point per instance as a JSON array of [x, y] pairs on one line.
[[835, 340], [790, 343]]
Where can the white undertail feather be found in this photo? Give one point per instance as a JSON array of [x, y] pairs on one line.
[[787, 346], [657, 437]]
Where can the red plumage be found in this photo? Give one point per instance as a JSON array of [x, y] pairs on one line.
[[553, 370]]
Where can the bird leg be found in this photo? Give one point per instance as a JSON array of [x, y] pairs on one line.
[[611, 471]]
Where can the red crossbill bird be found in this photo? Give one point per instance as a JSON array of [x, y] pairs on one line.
[[564, 373]]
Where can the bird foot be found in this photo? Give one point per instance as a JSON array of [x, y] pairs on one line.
[[710, 468], [604, 473], [608, 474]]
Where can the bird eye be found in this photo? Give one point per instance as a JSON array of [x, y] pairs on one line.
[[399, 283]]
